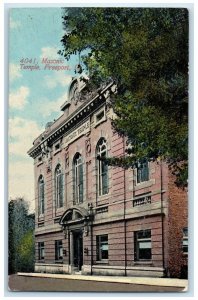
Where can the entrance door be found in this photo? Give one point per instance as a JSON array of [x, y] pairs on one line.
[[78, 249]]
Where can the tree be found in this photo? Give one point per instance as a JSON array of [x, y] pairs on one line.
[[20, 236], [145, 51], [26, 251]]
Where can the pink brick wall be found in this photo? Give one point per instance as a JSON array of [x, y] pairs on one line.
[[119, 198]]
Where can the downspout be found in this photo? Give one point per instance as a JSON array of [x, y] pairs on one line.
[[91, 232], [162, 214], [124, 217], [69, 247], [91, 247]]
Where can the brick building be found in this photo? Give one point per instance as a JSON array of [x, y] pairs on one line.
[[98, 219]]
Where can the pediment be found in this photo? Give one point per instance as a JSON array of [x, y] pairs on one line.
[[73, 215]]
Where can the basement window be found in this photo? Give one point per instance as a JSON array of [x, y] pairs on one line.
[[185, 240], [41, 250], [58, 250]]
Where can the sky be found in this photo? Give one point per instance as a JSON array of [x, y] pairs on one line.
[[35, 95]]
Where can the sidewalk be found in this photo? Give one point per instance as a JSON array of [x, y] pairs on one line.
[[168, 282]]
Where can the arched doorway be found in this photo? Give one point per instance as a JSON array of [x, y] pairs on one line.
[[75, 224]]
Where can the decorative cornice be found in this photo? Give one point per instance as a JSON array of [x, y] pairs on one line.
[[81, 113]]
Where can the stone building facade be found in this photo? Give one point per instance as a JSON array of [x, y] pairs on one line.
[[97, 219]]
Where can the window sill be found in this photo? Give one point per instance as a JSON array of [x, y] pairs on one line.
[[59, 209], [144, 184], [41, 260], [103, 197], [102, 262], [41, 217], [59, 261], [75, 203], [96, 124], [57, 151], [143, 262]]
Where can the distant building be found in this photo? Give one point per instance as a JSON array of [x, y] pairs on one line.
[[98, 219]]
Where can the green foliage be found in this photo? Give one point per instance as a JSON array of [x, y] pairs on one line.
[[145, 51], [20, 236], [26, 251]]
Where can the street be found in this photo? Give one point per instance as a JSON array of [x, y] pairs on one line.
[[25, 283]]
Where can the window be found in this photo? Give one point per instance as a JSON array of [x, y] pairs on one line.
[[78, 179], [41, 250], [58, 250], [102, 168], [102, 247], [142, 245], [57, 147], [40, 160], [100, 116], [41, 195], [58, 187], [142, 172], [185, 240]]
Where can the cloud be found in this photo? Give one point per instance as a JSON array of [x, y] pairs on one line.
[[18, 98], [58, 79], [22, 132], [21, 181], [14, 71], [46, 108], [14, 24], [49, 52]]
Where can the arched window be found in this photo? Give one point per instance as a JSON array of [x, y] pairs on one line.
[[41, 195], [58, 187], [78, 178], [102, 167]]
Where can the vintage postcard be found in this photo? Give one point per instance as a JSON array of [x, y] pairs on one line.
[[98, 149]]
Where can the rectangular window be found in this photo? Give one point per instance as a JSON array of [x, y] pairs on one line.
[[102, 247], [40, 160], [142, 242], [58, 250], [143, 172], [185, 240], [57, 147], [100, 116], [41, 250]]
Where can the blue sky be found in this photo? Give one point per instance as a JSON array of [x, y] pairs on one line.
[[35, 96]]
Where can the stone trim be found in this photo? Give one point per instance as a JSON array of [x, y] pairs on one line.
[[69, 122]]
